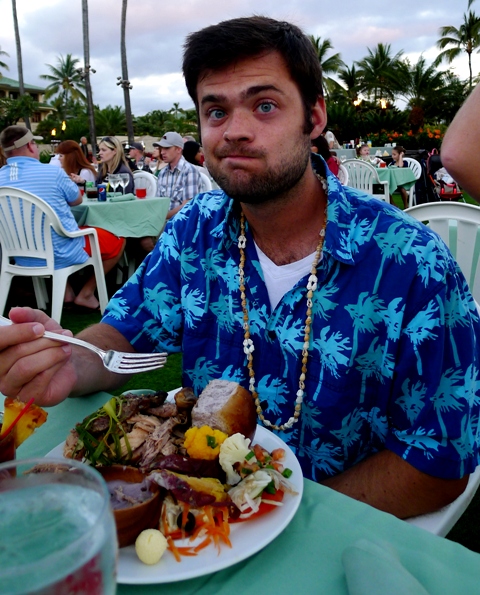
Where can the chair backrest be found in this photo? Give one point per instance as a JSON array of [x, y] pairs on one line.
[[206, 184], [415, 166], [342, 175], [144, 179], [25, 227], [361, 174], [458, 225]]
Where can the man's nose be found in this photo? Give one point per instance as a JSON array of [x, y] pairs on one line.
[[239, 126]]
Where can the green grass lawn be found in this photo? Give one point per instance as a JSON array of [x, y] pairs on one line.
[[465, 531]]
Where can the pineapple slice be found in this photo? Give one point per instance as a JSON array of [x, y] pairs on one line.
[[33, 418]]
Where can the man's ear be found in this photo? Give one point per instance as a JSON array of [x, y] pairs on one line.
[[319, 117]]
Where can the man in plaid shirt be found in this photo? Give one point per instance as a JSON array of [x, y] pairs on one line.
[[180, 180]]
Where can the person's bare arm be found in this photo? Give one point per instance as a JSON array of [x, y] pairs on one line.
[[387, 482], [459, 147], [49, 371]]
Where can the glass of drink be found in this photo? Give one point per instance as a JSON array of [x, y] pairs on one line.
[[57, 529]]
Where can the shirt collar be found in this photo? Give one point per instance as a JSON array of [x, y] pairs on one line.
[[180, 165]]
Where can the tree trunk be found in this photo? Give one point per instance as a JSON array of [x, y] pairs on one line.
[[125, 81], [19, 59], [88, 87]]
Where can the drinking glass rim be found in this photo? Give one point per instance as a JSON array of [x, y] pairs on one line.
[[91, 473]]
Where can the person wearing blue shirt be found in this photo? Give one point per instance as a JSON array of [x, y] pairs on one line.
[[349, 322]]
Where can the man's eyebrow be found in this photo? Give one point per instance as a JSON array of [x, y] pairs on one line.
[[250, 92]]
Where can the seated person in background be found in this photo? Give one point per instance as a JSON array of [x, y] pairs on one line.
[[398, 153], [363, 152], [157, 163], [136, 154], [193, 153], [349, 322], [320, 146], [24, 171], [74, 163], [180, 180], [331, 139], [113, 161], [460, 145]]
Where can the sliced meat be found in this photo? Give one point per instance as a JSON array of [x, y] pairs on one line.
[[157, 442], [166, 410], [69, 450], [190, 466]]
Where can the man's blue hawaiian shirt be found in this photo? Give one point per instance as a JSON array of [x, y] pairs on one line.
[[393, 358]]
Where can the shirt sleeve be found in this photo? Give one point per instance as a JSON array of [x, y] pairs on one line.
[[435, 409], [191, 183], [67, 186]]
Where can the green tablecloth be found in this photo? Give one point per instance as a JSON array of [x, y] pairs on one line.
[[306, 557], [128, 219], [396, 176]]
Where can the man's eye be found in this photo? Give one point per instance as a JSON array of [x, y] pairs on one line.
[[216, 114], [266, 107]]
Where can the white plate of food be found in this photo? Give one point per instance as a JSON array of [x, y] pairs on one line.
[[247, 537]]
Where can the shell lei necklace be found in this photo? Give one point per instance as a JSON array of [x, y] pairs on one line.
[[248, 346]]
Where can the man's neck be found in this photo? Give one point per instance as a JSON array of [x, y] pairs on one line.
[[287, 229], [174, 164]]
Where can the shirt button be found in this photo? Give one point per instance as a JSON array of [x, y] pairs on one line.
[[272, 335]]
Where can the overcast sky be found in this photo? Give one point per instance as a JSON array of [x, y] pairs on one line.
[[156, 31]]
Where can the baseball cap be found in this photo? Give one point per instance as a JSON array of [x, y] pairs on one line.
[[170, 139], [23, 135], [135, 145]]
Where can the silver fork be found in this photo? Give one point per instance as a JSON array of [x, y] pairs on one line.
[[119, 362]]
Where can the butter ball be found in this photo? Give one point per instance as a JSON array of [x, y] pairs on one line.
[[150, 546]]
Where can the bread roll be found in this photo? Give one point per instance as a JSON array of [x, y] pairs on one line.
[[226, 406]]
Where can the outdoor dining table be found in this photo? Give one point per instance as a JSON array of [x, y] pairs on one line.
[[307, 556], [396, 176], [135, 218]]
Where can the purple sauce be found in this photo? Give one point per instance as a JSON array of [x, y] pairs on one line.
[[124, 494]]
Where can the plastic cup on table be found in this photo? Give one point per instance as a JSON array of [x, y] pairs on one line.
[[57, 529], [141, 192]]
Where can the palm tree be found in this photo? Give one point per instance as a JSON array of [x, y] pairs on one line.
[[2, 64], [86, 74], [454, 41], [380, 72], [65, 79], [329, 65], [19, 58], [124, 82]]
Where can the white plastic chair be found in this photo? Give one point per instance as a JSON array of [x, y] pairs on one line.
[[144, 179], [363, 176], [415, 166], [342, 175], [26, 224], [458, 226], [206, 184]]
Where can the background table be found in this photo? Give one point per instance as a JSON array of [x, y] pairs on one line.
[[306, 557], [127, 219], [396, 176]]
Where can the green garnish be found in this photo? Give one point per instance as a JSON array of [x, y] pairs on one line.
[[246, 471], [270, 489], [287, 473], [107, 449], [211, 442], [250, 455]]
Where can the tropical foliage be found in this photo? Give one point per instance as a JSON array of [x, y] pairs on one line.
[[65, 80]]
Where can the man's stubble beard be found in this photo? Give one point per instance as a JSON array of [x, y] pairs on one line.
[[265, 186]]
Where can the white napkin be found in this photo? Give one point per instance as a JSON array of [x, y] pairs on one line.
[[375, 569]]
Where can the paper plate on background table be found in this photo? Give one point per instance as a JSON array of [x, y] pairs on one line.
[[247, 538]]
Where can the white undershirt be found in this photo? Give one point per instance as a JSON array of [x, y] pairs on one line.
[[280, 279]]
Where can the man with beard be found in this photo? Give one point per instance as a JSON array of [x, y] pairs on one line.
[[350, 323]]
